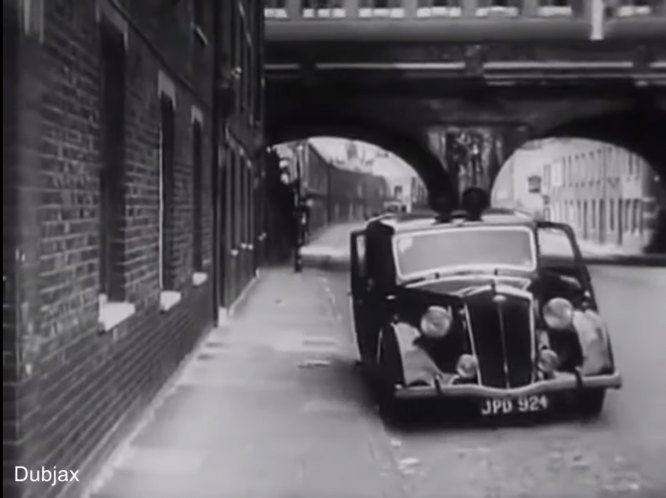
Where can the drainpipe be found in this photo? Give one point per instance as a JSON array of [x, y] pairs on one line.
[[215, 161]]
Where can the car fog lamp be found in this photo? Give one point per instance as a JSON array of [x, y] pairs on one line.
[[436, 322], [558, 313], [468, 366], [547, 361]]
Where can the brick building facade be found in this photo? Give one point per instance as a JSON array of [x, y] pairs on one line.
[[337, 193], [130, 139]]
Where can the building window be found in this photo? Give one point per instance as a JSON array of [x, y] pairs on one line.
[[555, 8], [508, 8], [323, 8], [275, 9], [436, 8], [611, 215], [166, 192], [628, 8], [627, 215], [381, 8], [635, 223], [197, 187], [112, 174]]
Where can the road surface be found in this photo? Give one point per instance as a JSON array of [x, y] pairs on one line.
[[620, 454]]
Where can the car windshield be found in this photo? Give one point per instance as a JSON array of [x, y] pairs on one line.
[[465, 248]]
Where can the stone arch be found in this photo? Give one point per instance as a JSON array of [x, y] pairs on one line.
[[411, 149], [639, 129]]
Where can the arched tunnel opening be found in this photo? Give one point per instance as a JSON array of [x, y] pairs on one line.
[[615, 163], [328, 181], [612, 196]]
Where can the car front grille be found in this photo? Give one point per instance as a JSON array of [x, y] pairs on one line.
[[502, 335]]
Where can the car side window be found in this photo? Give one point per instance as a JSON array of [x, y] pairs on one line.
[[555, 243]]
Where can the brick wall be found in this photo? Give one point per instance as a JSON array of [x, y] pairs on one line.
[[10, 37], [76, 386]]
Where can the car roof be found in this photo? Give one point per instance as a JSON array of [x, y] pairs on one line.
[[424, 220]]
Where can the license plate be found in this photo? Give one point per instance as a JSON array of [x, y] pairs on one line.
[[505, 406]]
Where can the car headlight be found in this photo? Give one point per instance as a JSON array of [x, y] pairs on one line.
[[467, 366], [558, 313], [436, 322], [547, 360]]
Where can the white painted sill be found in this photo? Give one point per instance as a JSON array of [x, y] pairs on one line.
[[112, 314], [169, 299], [199, 278]]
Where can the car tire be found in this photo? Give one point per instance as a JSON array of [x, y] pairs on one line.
[[591, 403]]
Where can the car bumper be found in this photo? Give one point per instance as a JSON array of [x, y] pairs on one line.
[[568, 383]]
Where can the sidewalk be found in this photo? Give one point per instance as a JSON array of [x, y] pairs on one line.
[[271, 407]]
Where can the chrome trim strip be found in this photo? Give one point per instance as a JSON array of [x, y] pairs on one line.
[[470, 333], [505, 355], [450, 66], [612, 381], [416, 285], [533, 334], [557, 65], [282, 67]]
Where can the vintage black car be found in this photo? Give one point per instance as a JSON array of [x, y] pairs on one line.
[[497, 308]]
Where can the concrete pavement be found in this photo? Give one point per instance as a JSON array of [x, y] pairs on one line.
[[272, 406]]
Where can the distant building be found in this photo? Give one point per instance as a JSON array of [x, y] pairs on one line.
[[519, 184], [336, 192], [607, 194], [419, 194]]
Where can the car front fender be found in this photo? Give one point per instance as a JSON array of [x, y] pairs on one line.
[[595, 342], [416, 363]]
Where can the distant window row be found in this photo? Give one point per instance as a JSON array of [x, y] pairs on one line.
[[607, 163], [452, 8]]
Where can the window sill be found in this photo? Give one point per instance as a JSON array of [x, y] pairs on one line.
[[199, 278], [169, 299], [198, 32], [112, 314]]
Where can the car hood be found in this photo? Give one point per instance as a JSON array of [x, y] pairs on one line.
[[461, 286]]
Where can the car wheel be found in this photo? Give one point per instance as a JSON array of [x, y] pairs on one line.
[[590, 403]]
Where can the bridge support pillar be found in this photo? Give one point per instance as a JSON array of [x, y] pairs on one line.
[[509, 140]]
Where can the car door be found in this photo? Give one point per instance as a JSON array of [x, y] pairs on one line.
[[359, 289], [559, 252]]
